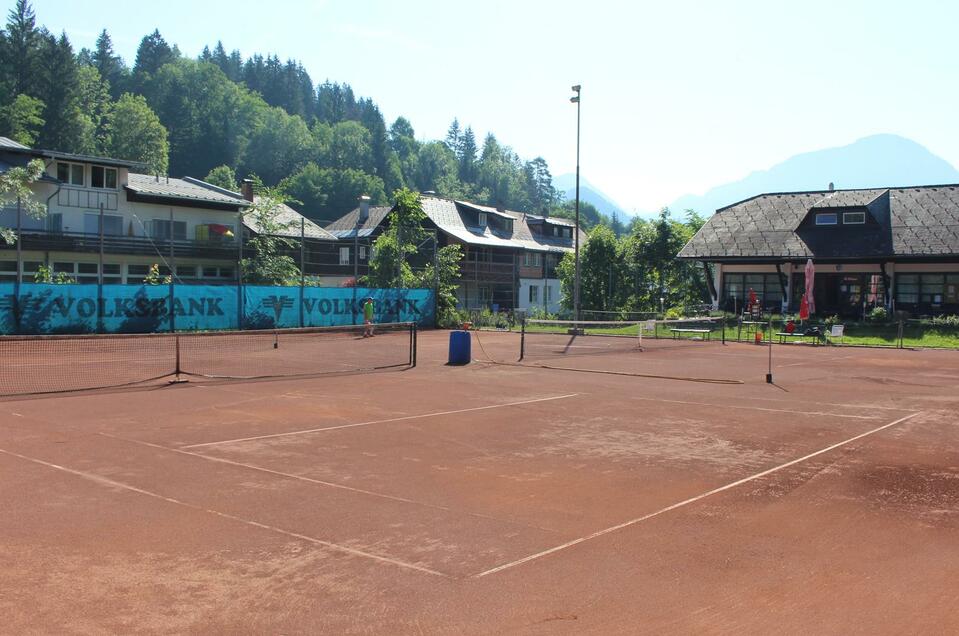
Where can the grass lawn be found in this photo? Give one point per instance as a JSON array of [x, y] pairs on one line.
[[863, 334]]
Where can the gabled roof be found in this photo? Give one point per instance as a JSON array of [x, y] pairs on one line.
[[347, 222], [184, 189], [447, 215], [292, 222], [905, 222], [6, 142]]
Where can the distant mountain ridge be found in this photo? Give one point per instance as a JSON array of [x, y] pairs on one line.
[[871, 162], [566, 183]]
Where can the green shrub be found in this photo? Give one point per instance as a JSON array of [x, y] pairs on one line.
[[831, 320], [878, 314], [673, 313], [946, 321]]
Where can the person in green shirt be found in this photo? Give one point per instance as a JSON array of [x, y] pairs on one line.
[[368, 318]]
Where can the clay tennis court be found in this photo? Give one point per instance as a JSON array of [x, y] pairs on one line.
[[495, 498]]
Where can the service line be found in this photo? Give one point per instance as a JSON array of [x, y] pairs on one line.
[[103, 481], [691, 500], [386, 421], [759, 408], [318, 482]]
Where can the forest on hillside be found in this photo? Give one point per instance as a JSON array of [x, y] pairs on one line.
[[222, 115]]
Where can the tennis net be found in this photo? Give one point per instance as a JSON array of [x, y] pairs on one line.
[[548, 338], [53, 364]]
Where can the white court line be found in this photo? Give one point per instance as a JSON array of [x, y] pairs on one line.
[[319, 482], [864, 407], [760, 408], [691, 500], [116, 484], [386, 421]]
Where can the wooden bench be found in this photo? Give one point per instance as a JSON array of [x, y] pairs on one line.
[[705, 333], [796, 334]]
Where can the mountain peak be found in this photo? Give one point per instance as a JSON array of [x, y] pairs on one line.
[[880, 160], [566, 183]]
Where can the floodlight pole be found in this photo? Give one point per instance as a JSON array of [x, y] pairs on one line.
[[576, 282]]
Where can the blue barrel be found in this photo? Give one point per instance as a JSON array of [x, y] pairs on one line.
[[459, 347]]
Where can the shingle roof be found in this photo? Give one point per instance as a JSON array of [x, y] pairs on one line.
[[292, 220], [188, 190], [902, 222], [447, 215], [347, 222], [6, 142]]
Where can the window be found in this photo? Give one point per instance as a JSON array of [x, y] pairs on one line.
[[533, 294], [362, 252], [531, 259], [547, 296], [767, 287], [70, 173], [907, 288], [931, 288], [508, 226], [481, 219], [186, 271], [827, 218], [853, 218], [112, 224], [344, 256], [8, 270], [160, 229], [101, 177], [484, 295]]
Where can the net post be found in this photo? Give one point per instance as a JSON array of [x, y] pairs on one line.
[[769, 373], [276, 339], [176, 340], [722, 326], [522, 338], [413, 339]]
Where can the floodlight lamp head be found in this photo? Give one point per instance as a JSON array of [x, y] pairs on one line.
[[574, 99], [576, 88]]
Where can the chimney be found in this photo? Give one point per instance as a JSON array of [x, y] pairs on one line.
[[364, 209], [246, 188], [832, 186]]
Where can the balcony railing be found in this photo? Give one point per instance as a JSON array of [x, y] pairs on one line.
[[485, 270], [118, 244]]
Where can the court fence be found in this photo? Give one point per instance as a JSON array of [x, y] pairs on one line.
[[50, 309]]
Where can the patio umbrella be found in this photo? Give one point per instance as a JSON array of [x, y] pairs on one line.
[[810, 279]]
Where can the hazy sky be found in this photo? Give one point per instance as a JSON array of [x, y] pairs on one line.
[[677, 96]]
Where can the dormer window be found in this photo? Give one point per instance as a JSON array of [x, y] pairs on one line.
[[853, 218], [105, 178], [70, 173], [481, 219], [827, 218]]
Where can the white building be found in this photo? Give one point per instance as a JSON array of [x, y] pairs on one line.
[[185, 226]]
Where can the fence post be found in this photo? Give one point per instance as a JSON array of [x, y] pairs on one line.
[[100, 277], [16, 292], [239, 270], [302, 264], [900, 333], [172, 273]]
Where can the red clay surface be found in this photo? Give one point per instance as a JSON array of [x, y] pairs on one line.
[[496, 498]]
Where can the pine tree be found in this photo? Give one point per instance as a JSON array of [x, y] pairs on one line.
[[64, 126], [109, 65], [152, 54], [467, 156], [453, 136], [22, 50]]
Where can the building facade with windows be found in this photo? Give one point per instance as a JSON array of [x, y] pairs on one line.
[[509, 258], [189, 228], [896, 248]]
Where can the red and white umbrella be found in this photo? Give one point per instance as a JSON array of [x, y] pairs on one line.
[[810, 279]]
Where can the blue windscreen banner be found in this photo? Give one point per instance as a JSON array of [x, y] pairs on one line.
[[83, 308]]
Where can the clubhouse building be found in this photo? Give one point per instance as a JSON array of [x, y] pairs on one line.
[[892, 247]]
